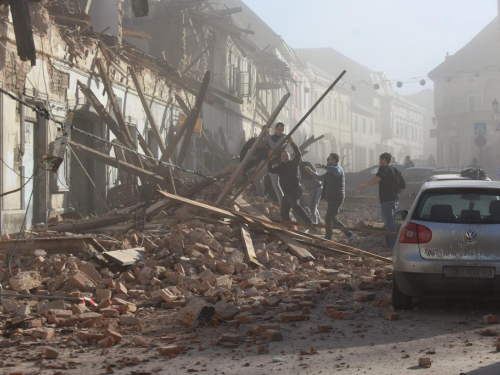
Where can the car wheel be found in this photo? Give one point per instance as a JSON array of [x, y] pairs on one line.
[[400, 301]]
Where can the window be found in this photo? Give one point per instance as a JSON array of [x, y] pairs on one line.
[[246, 79], [322, 108], [396, 131], [233, 75], [474, 100], [334, 108], [363, 126], [371, 127], [355, 123], [462, 206], [328, 107], [152, 143], [341, 111]]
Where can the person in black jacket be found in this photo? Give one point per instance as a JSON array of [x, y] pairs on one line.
[[390, 184], [289, 181]]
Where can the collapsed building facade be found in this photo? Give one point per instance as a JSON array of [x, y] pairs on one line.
[[120, 80]]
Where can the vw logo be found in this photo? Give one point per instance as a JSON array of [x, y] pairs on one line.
[[470, 236]]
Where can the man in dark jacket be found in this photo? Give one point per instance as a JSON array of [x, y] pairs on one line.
[[408, 162], [390, 184], [334, 193], [289, 181]]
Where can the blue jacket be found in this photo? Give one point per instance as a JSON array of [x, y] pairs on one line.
[[333, 183]]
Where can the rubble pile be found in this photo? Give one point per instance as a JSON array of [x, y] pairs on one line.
[[191, 268]]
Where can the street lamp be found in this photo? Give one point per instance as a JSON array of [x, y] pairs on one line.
[[434, 120]]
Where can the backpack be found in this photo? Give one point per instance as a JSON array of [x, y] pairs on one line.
[[400, 183]]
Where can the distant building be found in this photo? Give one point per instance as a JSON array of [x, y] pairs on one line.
[[465, 85], [380, 119]]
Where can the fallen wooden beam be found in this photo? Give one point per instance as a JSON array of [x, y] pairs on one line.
[[350, 229], [52, 245], [192, 118], [298, 250], [105, 116], [245, 205], [87, 224], [295, 247], [136, 35], [108, 88], [248, 245], [109, 160]]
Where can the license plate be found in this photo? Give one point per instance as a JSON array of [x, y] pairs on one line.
[[470, 272]]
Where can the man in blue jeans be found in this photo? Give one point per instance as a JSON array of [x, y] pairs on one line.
[[390, 184], [334, 193]]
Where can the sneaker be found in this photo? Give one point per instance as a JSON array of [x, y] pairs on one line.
[[351, 239]]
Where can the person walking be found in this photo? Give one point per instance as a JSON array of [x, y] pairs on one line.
[[274, 141], [289, 182], [408, 162], [474, 164], [313, 186], [390, 184], [334, 193]]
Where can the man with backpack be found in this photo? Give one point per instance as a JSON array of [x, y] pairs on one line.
[[390, 184]]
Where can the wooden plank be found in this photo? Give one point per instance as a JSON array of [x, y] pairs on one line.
[[108, 160], [190, 122], [351, 229], [136, 35], [251, 151], [144, 145], [105, 116], [126, 257], [108, 88], [166, 204], [225, 147], [296, 248], [52, 245], [152, 121], [248, 245], [87, 224], [257, 215], [259, 168]]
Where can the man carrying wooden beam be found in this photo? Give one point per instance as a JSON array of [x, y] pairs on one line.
[[289, 182]]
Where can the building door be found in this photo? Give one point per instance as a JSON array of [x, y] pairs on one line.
[[28, 169]]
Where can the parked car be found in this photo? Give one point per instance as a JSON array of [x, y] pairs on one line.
[[448, 243], [354, 179], [414, 177]]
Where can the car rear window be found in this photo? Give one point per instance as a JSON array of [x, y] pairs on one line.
[[460, 206]]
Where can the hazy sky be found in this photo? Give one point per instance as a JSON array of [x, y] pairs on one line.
[[404, 38]]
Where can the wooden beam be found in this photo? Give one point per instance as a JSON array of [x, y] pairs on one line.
[[109, 160], [252, 149], [105, 116], [225, 147], [262, 165], [136, 35], [83, 226], [120, 119], [23, 30], [248, 245], [189, 124], [296, 248], [144, 145], [226, 12], [152, 121], [52, 245], [167, 204]]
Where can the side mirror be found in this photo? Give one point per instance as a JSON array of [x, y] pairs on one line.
[[401, 215]]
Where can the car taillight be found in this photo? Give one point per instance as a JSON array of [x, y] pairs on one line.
[[414, 233]]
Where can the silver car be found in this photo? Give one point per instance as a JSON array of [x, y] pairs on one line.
[[449, 243]]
